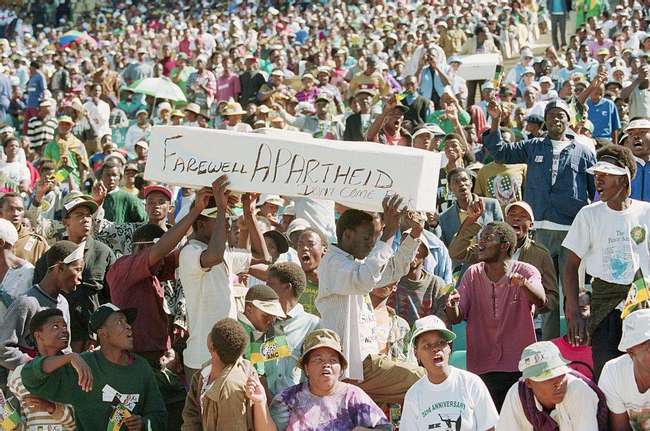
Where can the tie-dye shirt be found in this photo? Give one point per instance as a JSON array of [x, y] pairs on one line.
[[297, 409]]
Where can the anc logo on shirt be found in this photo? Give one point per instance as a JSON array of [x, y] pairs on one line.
[[638, 234]]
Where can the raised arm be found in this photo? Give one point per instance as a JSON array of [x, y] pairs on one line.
[[463, 247], [641, 81], [516, 152], [174, 236], [259, 251], [376, 126], [213, 255], [600, 79]]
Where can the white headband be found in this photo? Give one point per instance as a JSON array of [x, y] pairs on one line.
[[77, 254]]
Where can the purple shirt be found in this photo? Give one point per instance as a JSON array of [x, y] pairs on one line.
[[297, 409], [499, 318]]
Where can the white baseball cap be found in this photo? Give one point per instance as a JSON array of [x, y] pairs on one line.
[[429, 324], [542, 361], [636, 329]]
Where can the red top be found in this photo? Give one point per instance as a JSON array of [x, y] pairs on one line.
[[133, 285], [579, 357], [499, 318]]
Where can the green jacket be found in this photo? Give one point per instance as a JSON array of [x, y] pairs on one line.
[[92, 409]]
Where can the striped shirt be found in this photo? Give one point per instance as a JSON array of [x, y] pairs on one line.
[[41, 132], [62, 418]]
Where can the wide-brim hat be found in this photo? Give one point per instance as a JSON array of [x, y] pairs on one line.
[[281, 241], [233, 108]]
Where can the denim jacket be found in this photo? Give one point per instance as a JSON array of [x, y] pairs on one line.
[[574, 187]]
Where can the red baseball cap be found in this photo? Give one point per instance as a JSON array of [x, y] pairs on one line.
[[156, 188]]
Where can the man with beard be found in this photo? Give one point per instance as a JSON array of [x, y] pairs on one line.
[[497, 297], [106, 383], [519, 215], [557, 184], [77, 220]]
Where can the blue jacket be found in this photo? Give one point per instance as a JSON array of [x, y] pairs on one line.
[[574, 187], [427, 85], [450, 219], [641, 182]]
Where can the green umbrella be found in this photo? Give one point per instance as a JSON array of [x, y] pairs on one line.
[[160, 88]]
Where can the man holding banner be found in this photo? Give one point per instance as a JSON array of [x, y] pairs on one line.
[[611, 237], [350, 270], [207, 266]]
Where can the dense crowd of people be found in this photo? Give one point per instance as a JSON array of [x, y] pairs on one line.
[[521, 303]]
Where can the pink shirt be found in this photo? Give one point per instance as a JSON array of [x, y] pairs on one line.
[[499, 318], [579, 357], [228, 87]]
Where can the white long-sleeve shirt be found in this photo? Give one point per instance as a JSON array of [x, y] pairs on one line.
[[343, 301]]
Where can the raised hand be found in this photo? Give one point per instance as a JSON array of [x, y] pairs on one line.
[[249, 201], [202, 198], [99, 192], [392, 214], [221, 193], [475, 210], [415, 222], [494, 110]]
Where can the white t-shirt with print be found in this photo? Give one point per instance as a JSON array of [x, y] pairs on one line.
[[208, 295], [460, 403], [612, 244], [576, 412], [623, 396]]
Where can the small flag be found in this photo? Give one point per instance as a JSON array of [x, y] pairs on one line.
[[116, 421], [9, 417], [638, 296]]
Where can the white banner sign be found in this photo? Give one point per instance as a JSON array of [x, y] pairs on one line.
[[479, 66], [356, 174]]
